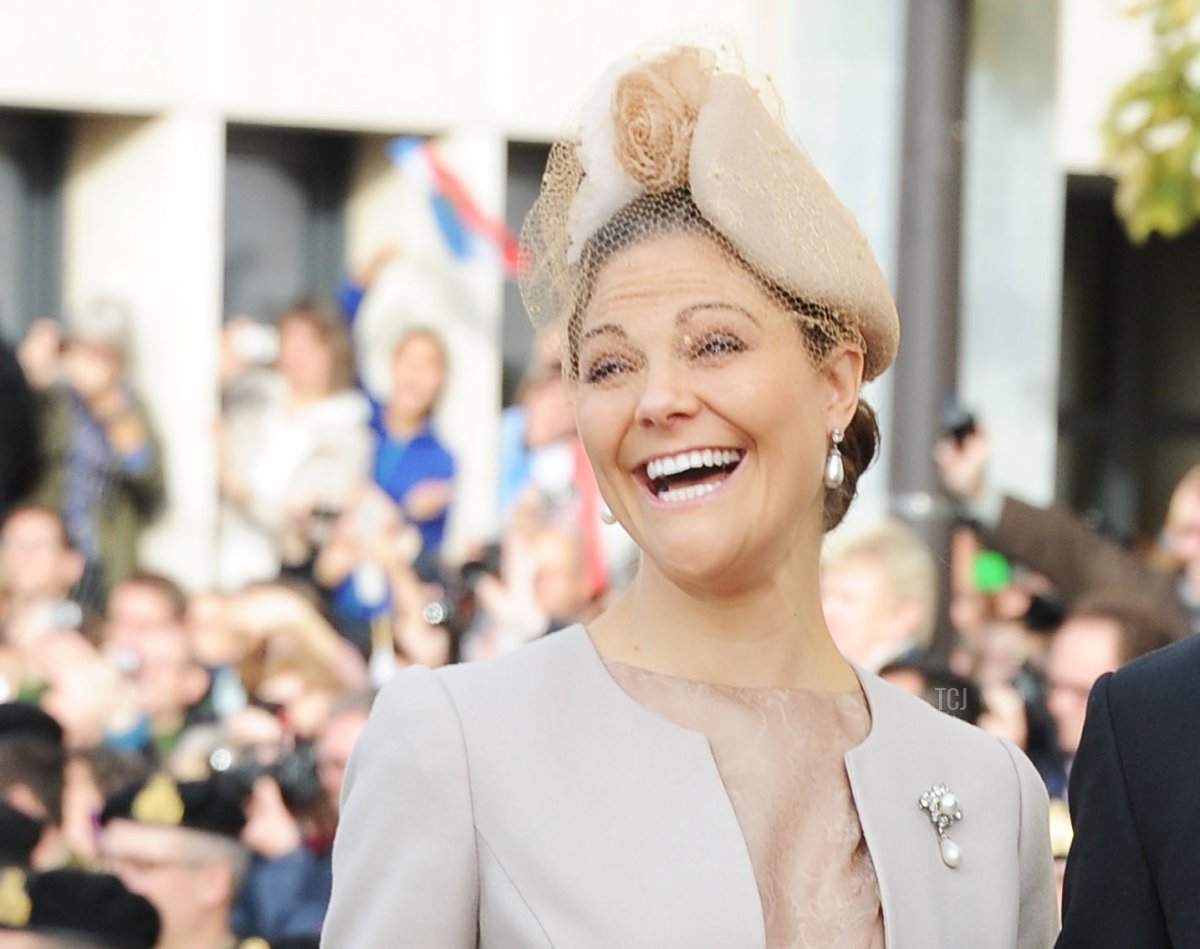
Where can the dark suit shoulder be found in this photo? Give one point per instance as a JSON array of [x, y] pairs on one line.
[[1171, 666], [1134, 861], [1156, 690], [1152, 704]]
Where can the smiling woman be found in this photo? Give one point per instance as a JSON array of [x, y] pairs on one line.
[[682, 354], [699, 766]]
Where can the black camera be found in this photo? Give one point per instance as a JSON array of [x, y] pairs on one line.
[[487, 563], [957, 422], [294, 770]]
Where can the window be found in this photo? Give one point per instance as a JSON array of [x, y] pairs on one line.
[[285, 195], [32, 159], [1129, 397]]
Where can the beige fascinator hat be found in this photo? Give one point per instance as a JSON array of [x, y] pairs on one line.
[[686, 127]]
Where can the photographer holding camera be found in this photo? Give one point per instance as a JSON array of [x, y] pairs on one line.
[[1075, 558], [291, 815], [379, 585]]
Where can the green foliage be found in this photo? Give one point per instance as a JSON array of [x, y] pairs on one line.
[[1151, 134]]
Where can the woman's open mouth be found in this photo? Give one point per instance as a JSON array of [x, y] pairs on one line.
[[688, 475]]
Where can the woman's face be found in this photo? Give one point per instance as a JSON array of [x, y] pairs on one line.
[[418, 374], [1183, 525], [91, 369], [304, 358], [704, 418]]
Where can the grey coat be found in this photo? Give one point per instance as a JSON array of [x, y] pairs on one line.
[[527, 802]]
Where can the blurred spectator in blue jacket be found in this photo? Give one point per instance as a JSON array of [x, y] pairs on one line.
[[411, 463]]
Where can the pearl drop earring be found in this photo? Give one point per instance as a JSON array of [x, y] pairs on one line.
[[835, 467]]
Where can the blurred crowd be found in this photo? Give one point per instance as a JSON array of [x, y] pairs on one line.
[[188, 746], [330, 573]]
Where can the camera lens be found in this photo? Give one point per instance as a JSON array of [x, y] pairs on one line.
[[436, 613], [127, 661], [66, 615], [221, 759]]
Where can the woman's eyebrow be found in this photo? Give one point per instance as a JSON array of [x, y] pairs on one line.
[[602, 329], [686, 314]]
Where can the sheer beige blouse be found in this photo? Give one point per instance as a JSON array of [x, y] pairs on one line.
[[780, 756]]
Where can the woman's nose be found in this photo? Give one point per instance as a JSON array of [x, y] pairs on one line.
[[668, 396]]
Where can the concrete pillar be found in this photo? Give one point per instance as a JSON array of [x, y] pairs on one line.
[[1013, 209], [927, 274], [142, 220]]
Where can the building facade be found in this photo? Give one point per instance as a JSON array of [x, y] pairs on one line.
[[200, 158]]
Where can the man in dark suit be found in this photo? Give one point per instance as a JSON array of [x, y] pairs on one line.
[[1131, 876]]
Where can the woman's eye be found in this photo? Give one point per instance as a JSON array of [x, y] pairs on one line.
[[605, 369], [717, 344]]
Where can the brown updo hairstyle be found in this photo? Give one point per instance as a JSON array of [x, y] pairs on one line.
[[659, 214], [860, 444]]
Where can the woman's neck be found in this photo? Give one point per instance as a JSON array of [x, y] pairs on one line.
[[772, 634], [199, 933], [303, 398], [403, 423]]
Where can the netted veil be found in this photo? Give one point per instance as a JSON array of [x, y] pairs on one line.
[[680, 140]]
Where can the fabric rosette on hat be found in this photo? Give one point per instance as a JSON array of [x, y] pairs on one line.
[[687, 125]]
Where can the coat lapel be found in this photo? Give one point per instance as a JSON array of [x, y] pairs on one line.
[[925, 903], [896, 831], [631, 837]]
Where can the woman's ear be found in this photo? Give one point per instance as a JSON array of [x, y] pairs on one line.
[[843, 372]]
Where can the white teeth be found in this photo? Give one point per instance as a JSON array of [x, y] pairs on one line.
[[686, 494], [686, 460]]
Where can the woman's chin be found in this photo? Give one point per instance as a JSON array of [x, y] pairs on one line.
[[704, 571]]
